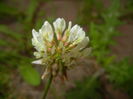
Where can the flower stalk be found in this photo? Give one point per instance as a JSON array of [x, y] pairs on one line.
[[47, 87]]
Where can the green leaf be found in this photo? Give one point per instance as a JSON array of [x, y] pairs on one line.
[[30, 75]]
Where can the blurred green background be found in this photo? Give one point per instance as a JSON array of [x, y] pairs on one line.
[[106, 74]]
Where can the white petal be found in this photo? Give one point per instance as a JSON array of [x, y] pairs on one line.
[[37, 54], [76, 34], [59, 25], [67, 32], [46, 31], [82, 44], [86, 52], [73, 33], [37, 62], [75, 28], [39, 46], [80, 36], [35, 34], [69, 25], [37, 42]]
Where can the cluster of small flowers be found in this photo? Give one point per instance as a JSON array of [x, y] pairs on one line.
[[58, 47]]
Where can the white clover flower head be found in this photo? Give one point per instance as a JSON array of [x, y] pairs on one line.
[[58, 47]]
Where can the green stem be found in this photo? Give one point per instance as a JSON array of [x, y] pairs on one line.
[[47, 87]]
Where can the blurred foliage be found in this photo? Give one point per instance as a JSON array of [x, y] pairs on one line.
[[87, 89], [16, 49], [90, 88], [4, 82], [120, 74], [90, 11], [15, 45], [129, 6], [7, 11], [102, 30], [102, 34]]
